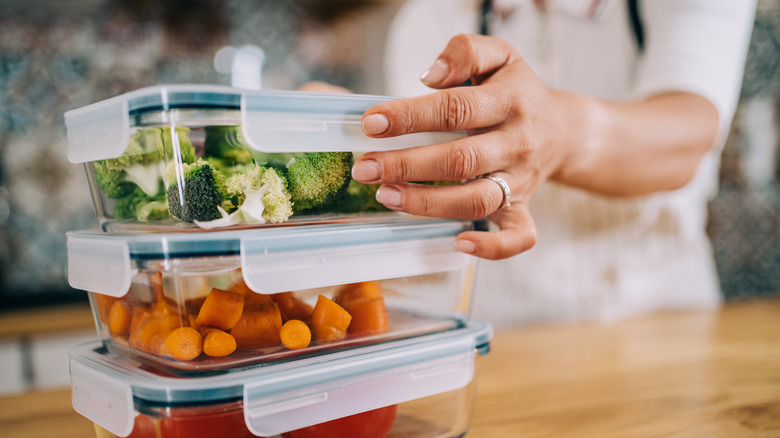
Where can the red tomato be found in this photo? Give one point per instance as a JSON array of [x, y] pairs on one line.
[[228, 423], [370, 424], [143, 427]]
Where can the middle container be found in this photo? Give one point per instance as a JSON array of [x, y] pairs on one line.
[[347, 284]]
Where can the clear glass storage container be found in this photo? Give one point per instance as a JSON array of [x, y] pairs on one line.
[[184, 157], [202, 302], [417, 387]]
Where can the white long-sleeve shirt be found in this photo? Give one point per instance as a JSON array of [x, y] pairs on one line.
[[599, 257]]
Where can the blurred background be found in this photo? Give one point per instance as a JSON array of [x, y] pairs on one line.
[[57, 55]]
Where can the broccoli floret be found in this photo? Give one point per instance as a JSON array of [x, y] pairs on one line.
[[154, 210], [225, 149], [143, 162], [137, 205], [261, 196], [112, 182], [357, 199], [200, 192], [318, 178]]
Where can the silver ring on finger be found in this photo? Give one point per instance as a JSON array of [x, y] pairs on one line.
[[504, 188]]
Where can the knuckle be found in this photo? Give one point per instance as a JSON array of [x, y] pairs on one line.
[[396, 168], [462, 162], [424, 204], [483, 204], [456, 111]]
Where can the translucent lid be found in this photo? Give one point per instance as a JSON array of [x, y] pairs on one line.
[[273, 259], [281, 397], [271, 120]]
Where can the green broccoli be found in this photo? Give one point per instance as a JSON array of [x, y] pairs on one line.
[[278, 160], [143, 162], [112, 182], [225, 149], [267, 186], [137, 205], [201, 192], [317, 178], [357, 199], [260, 195], [154, 210]]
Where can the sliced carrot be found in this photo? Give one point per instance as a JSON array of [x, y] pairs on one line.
[[104, 304], [152, 334], [368, 317], [140, 316], [365, 290], [119, 319], [192, 321], [329, 321], [257, 300], [221, 309], [364, 301], [258, 327], [193, 305], [241, 287], [184, 343], [292, 307], [295, 334], [216, 342]]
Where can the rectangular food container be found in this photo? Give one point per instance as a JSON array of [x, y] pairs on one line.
[[417, 387], [183, 157], [199, 302]]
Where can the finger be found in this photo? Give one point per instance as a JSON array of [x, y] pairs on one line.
[[454, 161], [468, 56], [474, 199], [454, 109], [517, 234]]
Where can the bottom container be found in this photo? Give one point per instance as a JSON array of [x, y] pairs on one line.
[[419, 387]]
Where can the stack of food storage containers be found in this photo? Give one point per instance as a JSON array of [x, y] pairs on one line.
[[242, 285]]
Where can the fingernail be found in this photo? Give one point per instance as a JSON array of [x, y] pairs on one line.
[[389, 196], [466, 246], [435, 73], [375, 124], [367, 171]]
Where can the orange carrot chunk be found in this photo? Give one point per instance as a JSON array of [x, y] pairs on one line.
[[221, 309], [217, 343], [104, 303], [184, 343], [119, 319], [295, 334], [365, 290], [258, 327], [152, 334], [329, 321], [364, 301], [292, 307]]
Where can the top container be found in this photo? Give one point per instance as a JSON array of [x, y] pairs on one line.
[[188, 157]]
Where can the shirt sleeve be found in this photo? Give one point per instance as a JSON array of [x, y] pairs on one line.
[[697, 46]]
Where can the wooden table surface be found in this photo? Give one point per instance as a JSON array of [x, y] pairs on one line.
[[670, 374]]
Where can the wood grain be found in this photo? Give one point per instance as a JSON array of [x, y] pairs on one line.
[[669, 374]]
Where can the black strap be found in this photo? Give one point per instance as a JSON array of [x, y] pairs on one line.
[[633, 16], [484, 17], [636, 24]]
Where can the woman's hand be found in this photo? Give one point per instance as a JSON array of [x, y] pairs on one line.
[[513, 121], [525, 133]]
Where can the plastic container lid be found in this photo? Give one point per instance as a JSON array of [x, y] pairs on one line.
[[277, 259], [280, 397], [271, 121]]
